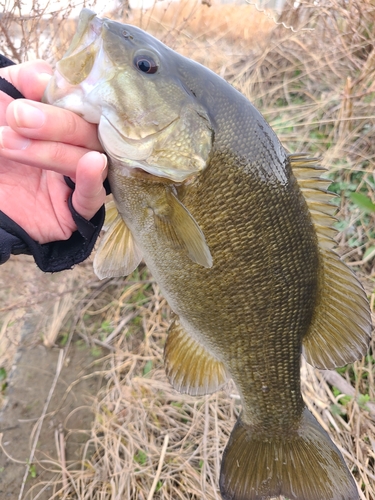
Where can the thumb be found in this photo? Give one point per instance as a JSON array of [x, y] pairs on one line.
[[30, 78], [89, 194]]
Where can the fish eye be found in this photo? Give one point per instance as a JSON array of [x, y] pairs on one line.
[[146, 64]]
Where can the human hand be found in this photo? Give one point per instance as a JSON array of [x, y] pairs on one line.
[[39, 144]]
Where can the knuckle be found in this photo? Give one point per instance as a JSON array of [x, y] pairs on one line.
[[70, 127]]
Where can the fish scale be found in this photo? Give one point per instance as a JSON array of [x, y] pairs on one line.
[[238, 235], [252, 284]]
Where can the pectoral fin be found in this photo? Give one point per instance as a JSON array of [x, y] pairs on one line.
[[340, 330], [175, 223], [117, 254], [190, 368]]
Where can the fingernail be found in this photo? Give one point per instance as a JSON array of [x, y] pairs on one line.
[[105, 161], [44, 78], [28, 116], [11, 140]]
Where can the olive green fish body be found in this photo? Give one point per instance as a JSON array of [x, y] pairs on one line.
[[238, 235], [255, 265]]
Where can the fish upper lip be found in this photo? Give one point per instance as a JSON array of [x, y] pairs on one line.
[[97, 24]]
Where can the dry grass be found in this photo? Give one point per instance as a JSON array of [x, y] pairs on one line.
[[315, 84], [143, 429], [242, 24]]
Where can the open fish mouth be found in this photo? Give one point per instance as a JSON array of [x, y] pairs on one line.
[[83, 83], [80, 72], [89, 28]]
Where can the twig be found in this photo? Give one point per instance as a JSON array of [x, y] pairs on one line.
[[157, 475], [343, 386], [363, 261], [119, 327], [7, 454], [93, 340], [62, 457]]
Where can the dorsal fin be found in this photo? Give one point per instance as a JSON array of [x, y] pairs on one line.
[[340, 330]]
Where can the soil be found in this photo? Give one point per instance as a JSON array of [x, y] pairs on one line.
[[36, 377]]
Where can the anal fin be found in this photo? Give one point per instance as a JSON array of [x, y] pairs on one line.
[[117, 253], [190, 368]]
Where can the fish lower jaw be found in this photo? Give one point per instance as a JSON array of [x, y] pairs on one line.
[[88, 112]]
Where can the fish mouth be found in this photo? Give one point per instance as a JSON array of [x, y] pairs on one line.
[[138, 138], [75, 75], [89, 28]]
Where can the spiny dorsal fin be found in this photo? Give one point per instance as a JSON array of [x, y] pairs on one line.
[[340, 330], [117, 254], [189, 367], [175, 223]]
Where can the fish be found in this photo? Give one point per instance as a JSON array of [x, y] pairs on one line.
[[238, 234]]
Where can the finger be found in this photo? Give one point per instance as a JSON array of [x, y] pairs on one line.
[[89, 194], [49, 123], [29, 78], [5, 100], [50, 155]]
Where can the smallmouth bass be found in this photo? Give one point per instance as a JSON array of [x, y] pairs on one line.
[[238, 235]]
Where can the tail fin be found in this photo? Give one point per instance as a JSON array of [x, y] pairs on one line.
[[303, 466]]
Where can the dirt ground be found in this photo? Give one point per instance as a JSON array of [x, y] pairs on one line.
[[50, 387]]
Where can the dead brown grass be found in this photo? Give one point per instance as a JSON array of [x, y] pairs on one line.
[[148, 441], [315, 84], [240, 23]]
